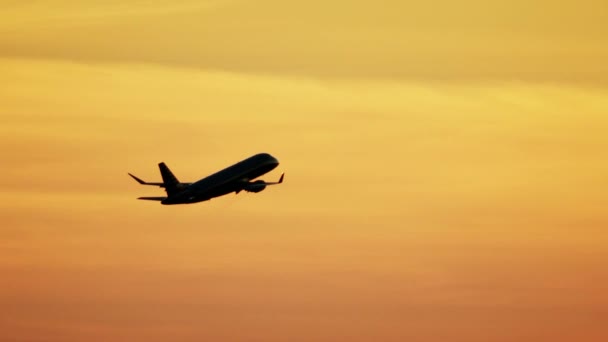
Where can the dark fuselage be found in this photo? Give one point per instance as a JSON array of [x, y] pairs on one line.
[[231, 179]]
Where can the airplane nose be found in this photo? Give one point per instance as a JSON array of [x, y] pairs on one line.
[[271, 159]]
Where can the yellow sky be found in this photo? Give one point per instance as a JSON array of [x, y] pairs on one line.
[[445, 171]]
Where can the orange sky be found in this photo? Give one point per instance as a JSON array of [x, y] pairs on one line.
[[445, 171]]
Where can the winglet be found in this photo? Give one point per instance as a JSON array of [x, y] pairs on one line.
[[275, 183], [137, 179]]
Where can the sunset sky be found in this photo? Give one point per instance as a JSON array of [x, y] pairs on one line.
[[446, 170]]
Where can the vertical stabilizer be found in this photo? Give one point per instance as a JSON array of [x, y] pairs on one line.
[[169, 180]]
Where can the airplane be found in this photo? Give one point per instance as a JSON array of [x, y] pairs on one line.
[[235, 178]]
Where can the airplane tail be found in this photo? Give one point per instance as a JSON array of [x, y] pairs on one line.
[[169, 180]]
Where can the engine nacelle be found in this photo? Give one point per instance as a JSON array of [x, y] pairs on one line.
[[256, 186]]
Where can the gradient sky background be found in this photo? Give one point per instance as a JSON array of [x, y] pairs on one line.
[[446, 170]]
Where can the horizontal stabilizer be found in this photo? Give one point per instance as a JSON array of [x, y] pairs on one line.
[[152, 198]]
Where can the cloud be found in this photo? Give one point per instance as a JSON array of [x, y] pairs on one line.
[[470, 40], [433, 139]]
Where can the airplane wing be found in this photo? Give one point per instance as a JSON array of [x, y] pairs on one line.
[[279, 182], [140, 181], [152, 198], [259, 185]]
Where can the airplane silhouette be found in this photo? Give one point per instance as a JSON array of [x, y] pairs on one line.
[[235, 178]]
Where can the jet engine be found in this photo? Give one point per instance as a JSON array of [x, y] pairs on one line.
[[256, 186]]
